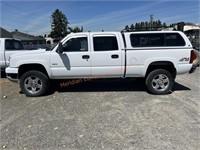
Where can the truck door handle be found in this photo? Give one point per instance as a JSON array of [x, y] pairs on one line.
[[85, 56], [114, 56]]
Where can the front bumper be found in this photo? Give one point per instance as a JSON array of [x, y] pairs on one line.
[[12, 74]]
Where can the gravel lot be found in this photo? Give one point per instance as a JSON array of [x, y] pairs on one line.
[[102, 114]]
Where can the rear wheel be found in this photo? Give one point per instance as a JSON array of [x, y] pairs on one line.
[[34, 83], [159, 82]]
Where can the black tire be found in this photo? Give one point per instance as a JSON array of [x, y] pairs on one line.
[[34, 83], [159, 82]]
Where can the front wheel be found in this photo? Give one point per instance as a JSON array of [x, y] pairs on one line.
[[34, 83], [159, 82]]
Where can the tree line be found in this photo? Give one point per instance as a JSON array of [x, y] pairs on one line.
[[145, 26], [60, 26]]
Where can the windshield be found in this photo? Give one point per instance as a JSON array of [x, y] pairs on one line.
[[53, 46]]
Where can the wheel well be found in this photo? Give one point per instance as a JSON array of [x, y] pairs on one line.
[[169, 66], [29, 67]]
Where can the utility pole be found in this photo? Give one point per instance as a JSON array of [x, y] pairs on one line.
[[151, 22]]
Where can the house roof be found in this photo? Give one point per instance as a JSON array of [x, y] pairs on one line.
[[24, 36], [5, 34]]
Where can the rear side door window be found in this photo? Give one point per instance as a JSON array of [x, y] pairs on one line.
[[105, 43]]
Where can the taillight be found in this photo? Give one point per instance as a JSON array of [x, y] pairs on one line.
[[192, 56]]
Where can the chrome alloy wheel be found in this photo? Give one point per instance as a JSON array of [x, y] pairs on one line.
[[33, 84], [160, 82]]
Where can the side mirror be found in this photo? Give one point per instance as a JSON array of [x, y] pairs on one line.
[[60, 48]]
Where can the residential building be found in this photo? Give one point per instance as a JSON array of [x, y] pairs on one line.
[[5, 34], [29, 41]]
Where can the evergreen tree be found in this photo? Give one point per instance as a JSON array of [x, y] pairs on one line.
[[59, 25], [132, 27], [75, 29], [159, 24], [127, 28], [137, 26], [164, 25], [147, 25], [142, 26]]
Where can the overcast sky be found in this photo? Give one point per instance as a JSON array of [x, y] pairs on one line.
[[33, 17]]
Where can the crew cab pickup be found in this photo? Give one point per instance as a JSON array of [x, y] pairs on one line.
[[156, 56], [8, 47]]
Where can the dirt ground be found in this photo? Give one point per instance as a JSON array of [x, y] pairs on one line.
[[102, 114]]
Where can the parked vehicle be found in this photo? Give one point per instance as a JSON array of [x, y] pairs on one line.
[[8, 47], [156, 56]]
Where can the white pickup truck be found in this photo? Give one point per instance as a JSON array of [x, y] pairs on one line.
[[8, 47], [156, 56]]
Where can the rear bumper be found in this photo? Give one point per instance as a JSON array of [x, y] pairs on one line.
[[192, 69], [12, 74]]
